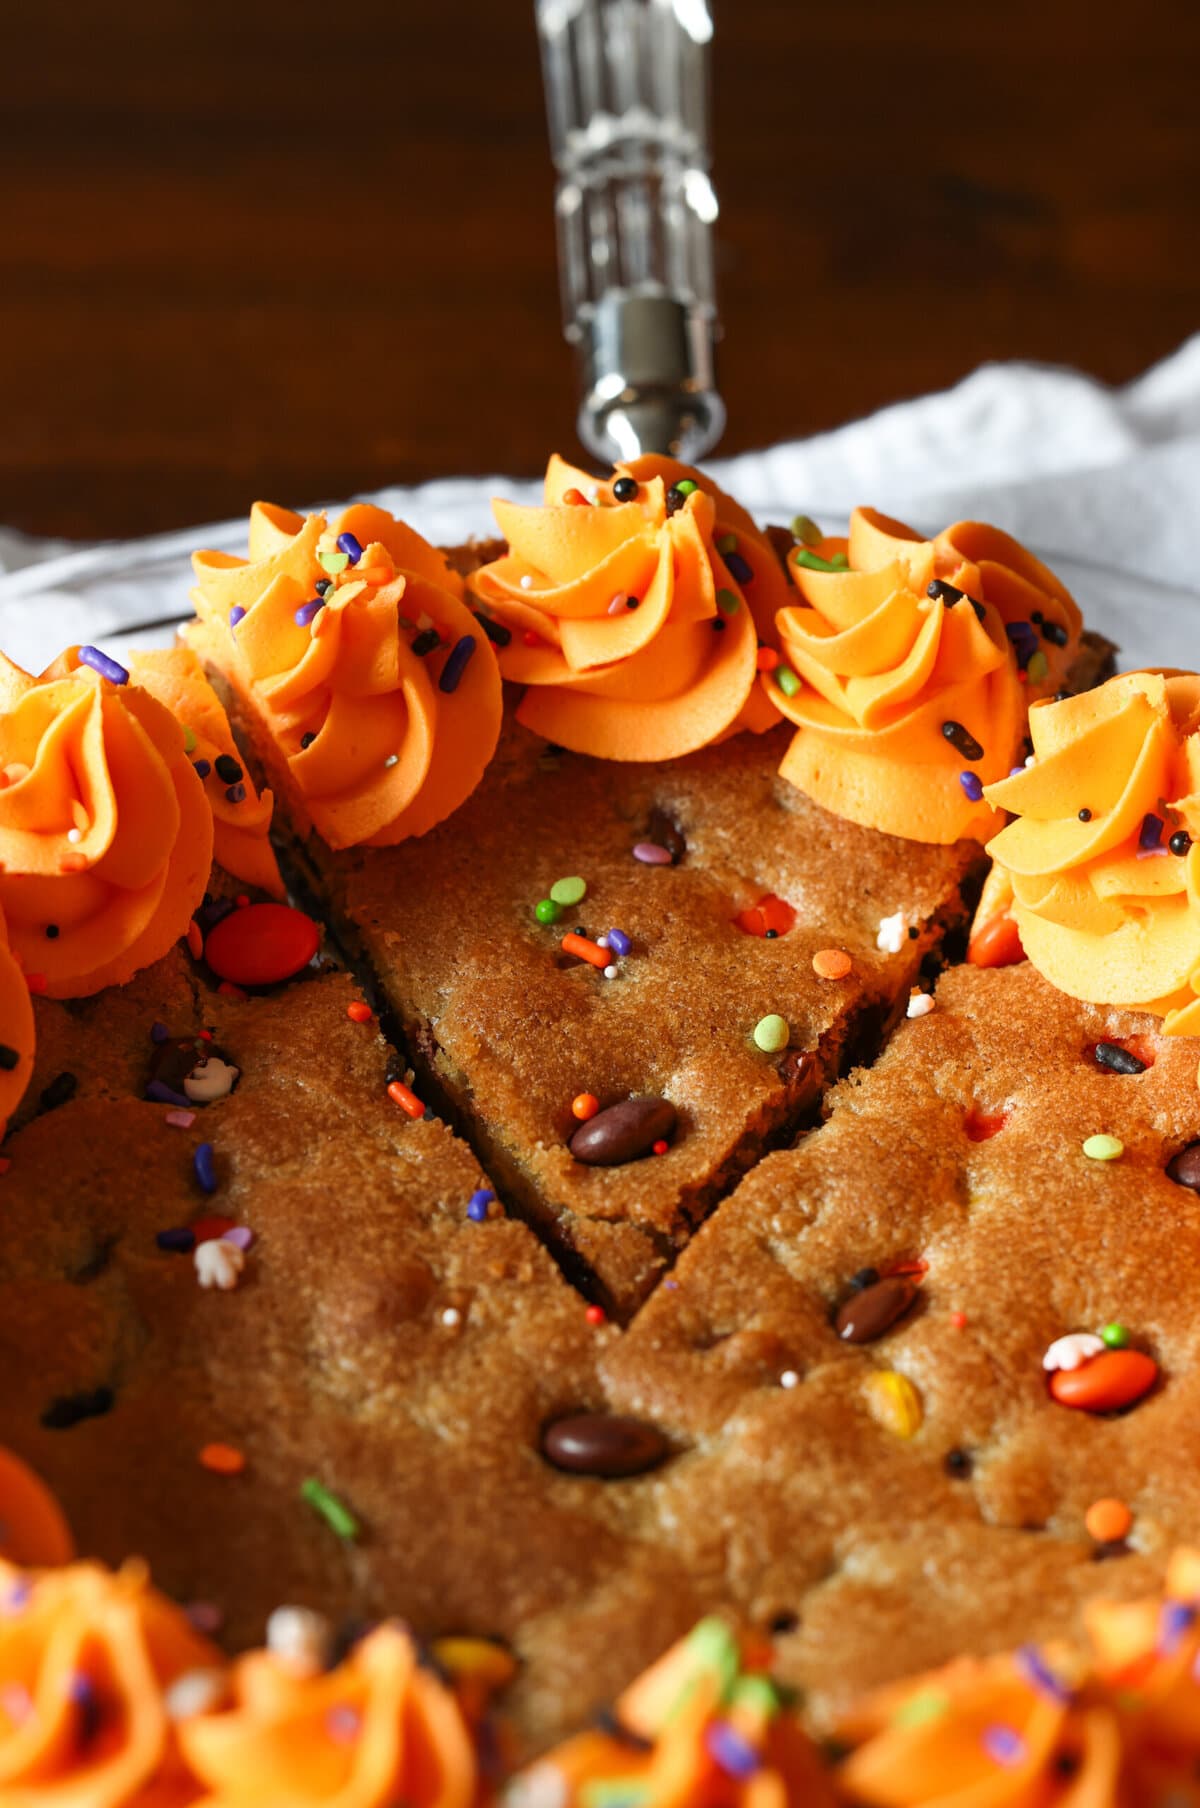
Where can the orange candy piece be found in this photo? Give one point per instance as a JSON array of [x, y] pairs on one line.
[[1106, 1382], [262, 945], [769, 913], [1108, 1521], [584, 1106], [996, 943]]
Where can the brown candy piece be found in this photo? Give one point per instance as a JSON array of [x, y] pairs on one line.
[[603, 1445], [623, 1132], [1184, 1168], [868, 1314]]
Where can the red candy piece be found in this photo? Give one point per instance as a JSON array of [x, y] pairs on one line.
[[262, 944], [769, 913]]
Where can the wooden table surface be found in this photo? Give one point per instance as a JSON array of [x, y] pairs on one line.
[[294, 251]]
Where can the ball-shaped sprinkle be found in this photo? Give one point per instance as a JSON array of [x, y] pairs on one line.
[[625, 489], [1103, 1148], [1108, 1521], [771, 1033], [547, 911], [1115, 1336], [584, 1105]]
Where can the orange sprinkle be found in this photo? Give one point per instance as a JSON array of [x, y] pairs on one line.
[[584, 1106], [959, 1320], [1108, 1521], [660, 1147], [766, 659], [831, 963], [195, 940], [585, 950], [575, 499], [222, 1459], [406, 1098], [358, 1012], [595, 1315]]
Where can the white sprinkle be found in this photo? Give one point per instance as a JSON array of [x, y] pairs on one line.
[[610, 972], [1031, 760], [299, 1638], [602, 941], [195, 1692], [1072, 1351], [789, 1379], [527, 582], [74, 834], [218, 1263], [893, 933], [920, 1004], [452, 1316], [393, 759]]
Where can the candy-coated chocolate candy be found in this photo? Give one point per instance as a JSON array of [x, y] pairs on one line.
[[1106, 1382], [996, 943], [262, 944]]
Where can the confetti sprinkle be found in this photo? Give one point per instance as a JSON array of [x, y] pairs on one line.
[[651, 854], [337, 1516], [1103, 1148], [180, 1120], [568, 891], [831, 963], [771, 1033]]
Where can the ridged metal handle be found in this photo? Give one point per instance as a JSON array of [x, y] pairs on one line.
[[627, 98]]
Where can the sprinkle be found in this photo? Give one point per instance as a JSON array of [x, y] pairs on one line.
[[343, 1723], [831, 963], [218, 1263], [348, 544], [971, 785], [189, 739], [595, 1315], [478, 1203], [8, 1057], [100, 662], [1114, 1337], [962, 740], [333, 562], [958, 1320], [75, 835], [611, 972], [202, 768], [660, 1147], [497, 633], [451, 1317], [895, 1402], [358, 1011], [1036, 1671], [1071, 1351], [766, 659], [180, 1239], [920, 1004], [619, 942], [228, 770], [1103, 1148], [811, 561], [1004, 1744], [336, 1516], [739, 569], [406, 1098], [1108, 1521], [569, 891], [1150, 833], [82, 1692], [771, 1033], [180, 1120], [580, 946], [222, 1459], [617, 604], [651, 854], [240, 1235], [787, 680], [584, 1105], [308, 612], [892, 934], [457, 660], [727, 602], [236, 614], [236, 794], [1175, 1620], [789, 1379], [1038, 666], [1180, 843], [547, 911], [206, 1174], [733, 1753], [805, 529], [425, 642], [575, 498]]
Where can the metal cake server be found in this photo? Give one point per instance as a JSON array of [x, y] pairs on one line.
[[627, 98]]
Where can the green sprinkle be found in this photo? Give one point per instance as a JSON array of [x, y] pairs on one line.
[[1115, 1336], [727, 602], [1103, 1148], [189, 740], [1038, 666], [614, 1792], [787, 680], [811, 562], [333, 562], [727, 543], [771, 1033], [756, 1693], [569, 891], [713, 1645], [929, 1704], [547, 911], [805, 529], [339, 1518], [685, 486]]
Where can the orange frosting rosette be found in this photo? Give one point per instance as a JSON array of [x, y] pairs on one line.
[[1103, 861], [634, 625], [17, 1033], [105, 835], [241, 823], [378, 1730], [908, 668], [696, 1730], [379, 691], [86, 1658]]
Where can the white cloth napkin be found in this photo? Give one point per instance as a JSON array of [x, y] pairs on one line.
[[1103, 484]]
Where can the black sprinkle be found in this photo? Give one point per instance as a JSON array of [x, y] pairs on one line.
[[1055, 633], [625, 489], [1180, 842], [425, 642], [52, 932], [782, 1623], [942, 592], [8, 1057], [1117, 1059], [71, 1409], [228, 770], [1061, 696], [497, 633], [718, 626], [962, 740], [866, 1277], [958, 1463], [1085, 816], [306, 740], [675, 500], [322, 585], [631, 602], [60, 1089], [770, 935]]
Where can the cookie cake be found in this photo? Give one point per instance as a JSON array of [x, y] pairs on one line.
[[618, 1103]]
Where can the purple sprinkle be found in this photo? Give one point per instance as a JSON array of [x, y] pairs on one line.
[[240, 1235], [306, 611], [477, 1204], [1150, 833], [736, 1756], [651, 854], [671, 1286], [162, 1094], [456, 664], [206, 1173], [1039, 1675], [971, 785], [619, 942], [1174, 1620], [738, 568], [179, 1240], [236, 793], [159, 1032], [1004, 1744], [83, 1694], [1021, 630], [1015, 771], [202, 768], [100, 662], [17, 1596], [349, 544], [343, 1722], [236, 614], [205, 1616]]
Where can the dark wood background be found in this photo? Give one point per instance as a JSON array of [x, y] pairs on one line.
[[296, 250]]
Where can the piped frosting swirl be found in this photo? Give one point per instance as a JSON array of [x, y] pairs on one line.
[[18, 1035], [632, 610], [376, 686]]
